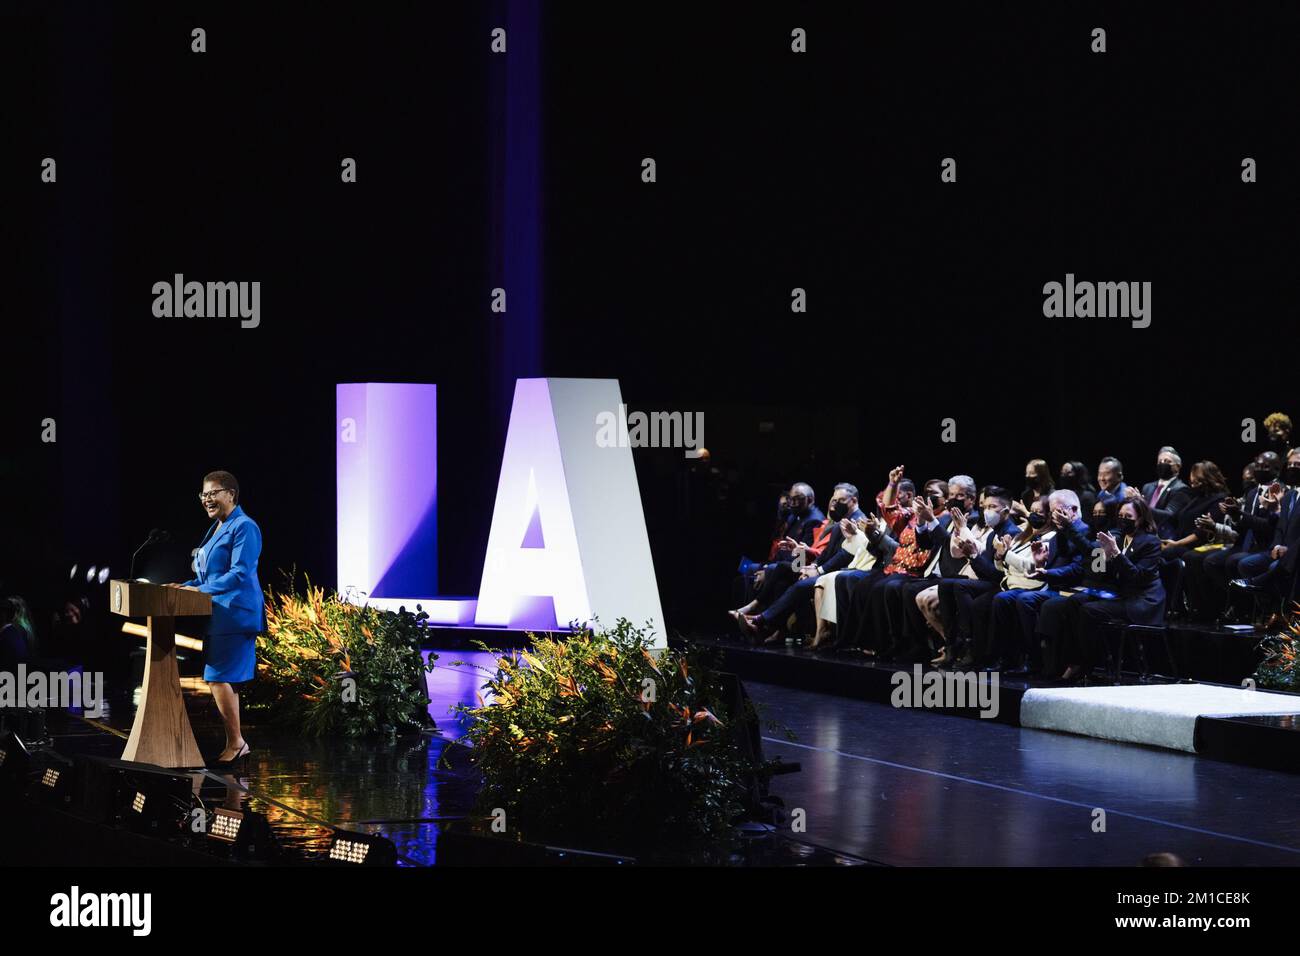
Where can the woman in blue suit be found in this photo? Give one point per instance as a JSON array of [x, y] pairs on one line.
[[225, 565]]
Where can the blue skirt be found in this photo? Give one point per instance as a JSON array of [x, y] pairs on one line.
[[229, 658]]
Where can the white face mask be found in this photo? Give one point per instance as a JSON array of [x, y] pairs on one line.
[[991, 517]]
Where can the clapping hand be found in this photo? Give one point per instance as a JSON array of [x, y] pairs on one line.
[[1000, 545], [1108, 545]]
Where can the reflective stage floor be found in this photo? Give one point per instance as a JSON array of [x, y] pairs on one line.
[[891, 786]]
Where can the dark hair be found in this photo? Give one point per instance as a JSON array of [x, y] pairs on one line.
[[1146, 521], [907, 484], [1080, 477], [225, 479], [996, 491], [943, 486], [1211, 475], [1112, 460], [851, 490], [1043, 474]]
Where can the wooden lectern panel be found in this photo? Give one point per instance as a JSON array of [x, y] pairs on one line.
[[161, 734], [137, 599]]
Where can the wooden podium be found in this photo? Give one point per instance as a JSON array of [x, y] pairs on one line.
[[161, 734]]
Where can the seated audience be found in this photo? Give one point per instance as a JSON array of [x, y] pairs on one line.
[[1076, 477], [1121, 585], [1168, 494], [861, 623], [970, 575], [770, 623], [1114, 492], [1038, 482]]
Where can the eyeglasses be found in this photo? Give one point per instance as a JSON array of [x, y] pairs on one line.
[[206, 496]]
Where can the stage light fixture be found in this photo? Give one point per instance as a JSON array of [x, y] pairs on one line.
[[54, 786], [246, 833], [361, 849], [225, 825]]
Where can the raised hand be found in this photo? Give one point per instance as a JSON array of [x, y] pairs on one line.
[[896, 474], [1108, 545]]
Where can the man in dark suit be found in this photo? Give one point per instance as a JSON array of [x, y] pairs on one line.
[[1255, 519], [769, 623], [894, 600], [1168, 494], [959, 593], [1120, 584], [1279, 577]]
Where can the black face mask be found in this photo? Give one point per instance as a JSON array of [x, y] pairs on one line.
[[1264, 475], [1292, 475], [1037, 520], [1068, 482], [1164, 470], [840, 509], [1128, 526]]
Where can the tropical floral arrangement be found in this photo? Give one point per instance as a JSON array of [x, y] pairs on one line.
[[330, 666], [1279, 669], [599, 737]]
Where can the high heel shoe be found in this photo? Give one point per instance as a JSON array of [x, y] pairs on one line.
[[240, 757]]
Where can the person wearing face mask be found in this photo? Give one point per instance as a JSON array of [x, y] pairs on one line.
[[1120, 586], [1207, 487], [1278, 426], [1279, 578], [863, 623], [799, 524], [1168, 494], [1053, 566], [894, 608], [950, 606], [769, 624], [1038, 481], [996, 634], [1076, 477], [1254, 520]]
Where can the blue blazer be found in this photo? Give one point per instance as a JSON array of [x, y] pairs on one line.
[[228, 571]]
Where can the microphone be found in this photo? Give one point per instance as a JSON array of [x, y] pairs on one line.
[[156, 535]]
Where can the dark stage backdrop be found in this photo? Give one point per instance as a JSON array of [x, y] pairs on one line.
[[775, 170]]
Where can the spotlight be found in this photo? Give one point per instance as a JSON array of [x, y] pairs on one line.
[[247, 833], [154, 801], [90, 574], [73, 573], [54, 785], [225, 824], [347, 847], [103, 576]]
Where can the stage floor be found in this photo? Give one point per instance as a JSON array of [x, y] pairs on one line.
[[915, 788], [892, 786]]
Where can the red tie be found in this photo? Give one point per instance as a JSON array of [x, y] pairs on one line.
[[1155, 495]]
